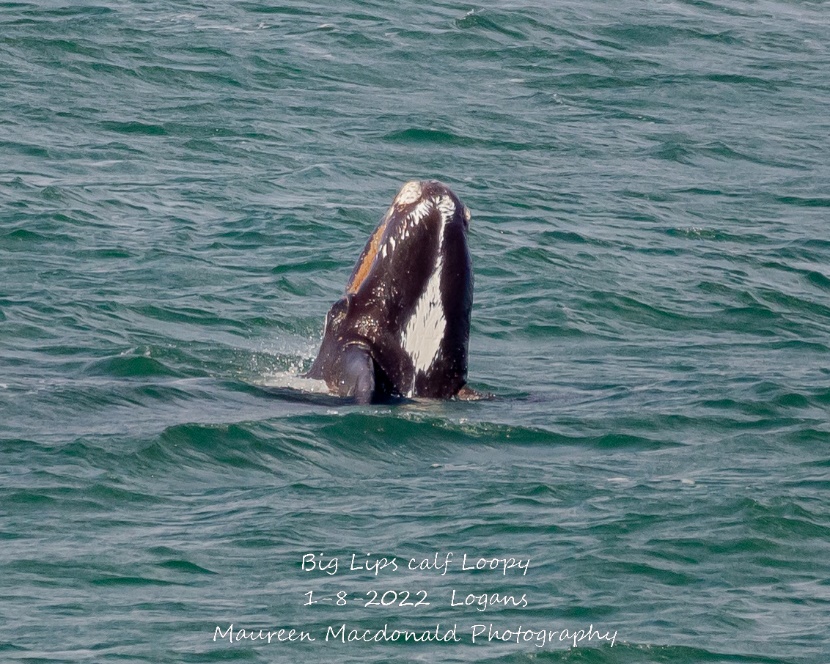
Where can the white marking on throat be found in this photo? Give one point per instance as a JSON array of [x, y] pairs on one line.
[[426, 326]]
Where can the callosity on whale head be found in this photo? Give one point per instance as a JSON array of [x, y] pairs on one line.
[[403, 325]]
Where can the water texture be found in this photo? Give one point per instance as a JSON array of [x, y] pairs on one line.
[[184, 188]]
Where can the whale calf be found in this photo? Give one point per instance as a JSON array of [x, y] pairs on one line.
[[402, 327]]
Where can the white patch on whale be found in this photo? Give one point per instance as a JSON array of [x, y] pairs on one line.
[[447, 209], [425, 329], [409, 193], [420, 212], [415, 217]]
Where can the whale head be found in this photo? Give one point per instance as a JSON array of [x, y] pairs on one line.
[[402, 326]]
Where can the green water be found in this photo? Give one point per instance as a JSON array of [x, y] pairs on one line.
[[184, 189]]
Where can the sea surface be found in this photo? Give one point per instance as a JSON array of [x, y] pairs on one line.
[[184, 190]]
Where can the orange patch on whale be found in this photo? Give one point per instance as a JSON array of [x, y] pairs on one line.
[[370, 253]]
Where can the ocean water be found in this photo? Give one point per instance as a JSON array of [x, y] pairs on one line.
[[184, 189]]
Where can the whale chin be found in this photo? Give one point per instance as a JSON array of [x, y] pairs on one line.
[[401, 328]]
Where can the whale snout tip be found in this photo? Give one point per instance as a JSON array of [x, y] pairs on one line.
[[415, 191], [410, 193]]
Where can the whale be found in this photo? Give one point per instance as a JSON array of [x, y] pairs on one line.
[[401, 329]]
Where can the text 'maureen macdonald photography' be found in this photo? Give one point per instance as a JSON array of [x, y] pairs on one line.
[[478, 634]]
